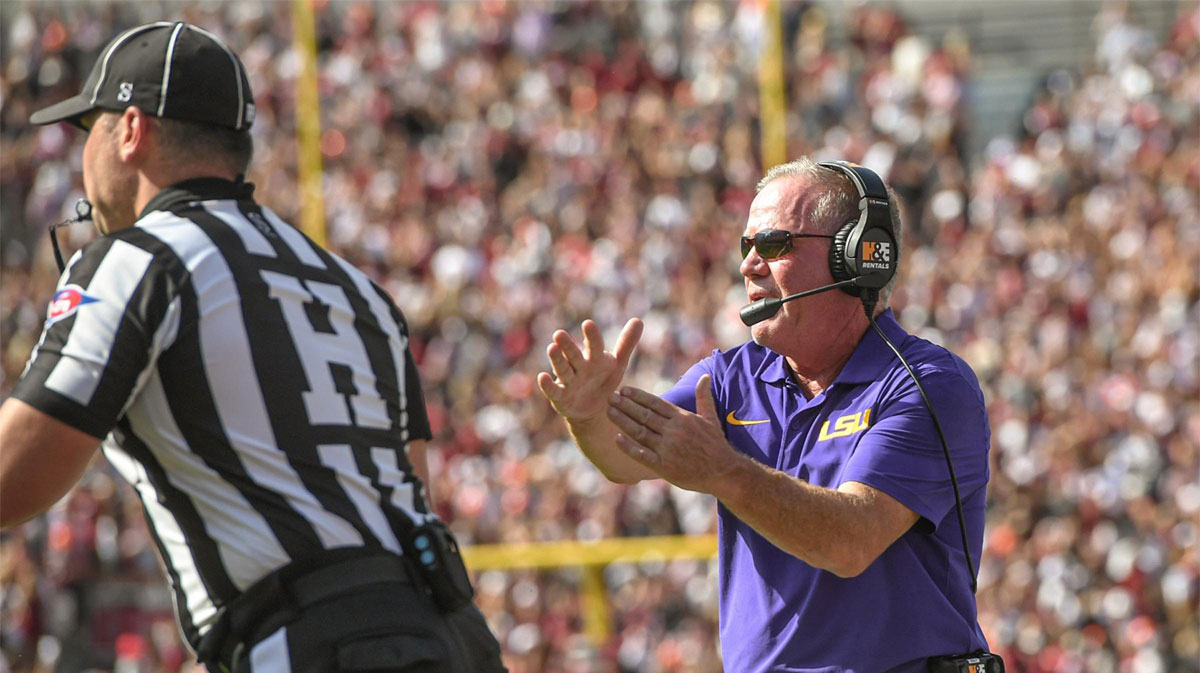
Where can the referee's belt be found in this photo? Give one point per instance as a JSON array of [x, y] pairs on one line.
[[278, 599]]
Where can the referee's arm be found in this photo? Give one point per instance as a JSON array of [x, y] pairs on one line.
[[41, 458], [418, 457]]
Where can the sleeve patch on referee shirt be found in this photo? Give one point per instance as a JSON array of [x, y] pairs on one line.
[[66, 301]]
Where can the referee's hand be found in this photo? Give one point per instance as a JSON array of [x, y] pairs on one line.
[[584, 378]]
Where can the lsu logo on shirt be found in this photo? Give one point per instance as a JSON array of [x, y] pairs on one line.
[[66, 301], [846, 426]]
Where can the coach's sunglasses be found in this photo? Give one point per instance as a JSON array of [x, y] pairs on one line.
[[773, 243]]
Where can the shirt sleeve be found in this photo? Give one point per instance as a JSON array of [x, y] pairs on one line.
[[101, 335], [683, 393], [418, 419], [901, 455]]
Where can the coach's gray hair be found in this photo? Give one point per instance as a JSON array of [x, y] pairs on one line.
[[836, 204]]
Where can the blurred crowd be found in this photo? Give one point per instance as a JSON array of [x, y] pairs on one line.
[[505, 169]]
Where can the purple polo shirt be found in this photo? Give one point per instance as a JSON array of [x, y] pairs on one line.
[[780, 614]]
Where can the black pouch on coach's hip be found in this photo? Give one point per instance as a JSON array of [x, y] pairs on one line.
[[435, 556], [977, 662]]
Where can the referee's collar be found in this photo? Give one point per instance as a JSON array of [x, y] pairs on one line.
[[198, 189]]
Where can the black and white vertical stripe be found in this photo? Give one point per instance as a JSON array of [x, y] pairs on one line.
[[259, 392], [239, 74]]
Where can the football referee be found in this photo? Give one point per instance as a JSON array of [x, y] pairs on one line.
[[256, 390]]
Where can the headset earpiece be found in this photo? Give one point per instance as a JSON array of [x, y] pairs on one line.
[[837, 258], [864, 249]]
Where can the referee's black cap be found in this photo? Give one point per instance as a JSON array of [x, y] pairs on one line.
[[170, 70]]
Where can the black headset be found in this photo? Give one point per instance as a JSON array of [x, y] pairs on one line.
[[864, 249]]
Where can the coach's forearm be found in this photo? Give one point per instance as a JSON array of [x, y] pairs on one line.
[[828, 529]]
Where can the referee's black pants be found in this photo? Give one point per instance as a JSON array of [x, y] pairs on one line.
[[380, 628], [356, 615]]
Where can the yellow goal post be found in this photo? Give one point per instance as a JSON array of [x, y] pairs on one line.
[[592, 557]]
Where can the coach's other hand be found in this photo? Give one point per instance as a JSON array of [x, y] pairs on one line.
[[583, 379]]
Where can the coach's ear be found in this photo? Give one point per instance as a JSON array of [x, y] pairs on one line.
[[135, 133]]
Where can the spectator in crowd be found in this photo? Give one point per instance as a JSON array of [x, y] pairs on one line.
[[475, 151]]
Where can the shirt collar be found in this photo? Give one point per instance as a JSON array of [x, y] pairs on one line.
[[774, 368], [869, 357], [197, 189], [872, 355]]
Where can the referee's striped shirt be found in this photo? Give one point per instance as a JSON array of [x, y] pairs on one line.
[[256, 390]]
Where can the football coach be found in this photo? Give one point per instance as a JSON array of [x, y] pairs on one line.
[[843, 541], [256, 390]]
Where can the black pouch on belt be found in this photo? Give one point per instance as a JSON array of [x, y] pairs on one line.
[[435, 556], [976, 662], [264, 605]]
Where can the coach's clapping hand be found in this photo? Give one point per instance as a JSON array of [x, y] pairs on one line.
[[688, 450], [583, 379]]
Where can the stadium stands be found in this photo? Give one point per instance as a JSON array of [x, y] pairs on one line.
[[504, 169]]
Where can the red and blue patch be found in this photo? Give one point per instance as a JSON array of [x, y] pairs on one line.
[[66, 301]]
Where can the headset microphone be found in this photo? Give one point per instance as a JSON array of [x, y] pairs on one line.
[[768, 306], [83, 213]]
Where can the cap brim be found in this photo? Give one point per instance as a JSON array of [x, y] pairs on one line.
[[69, 110]]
